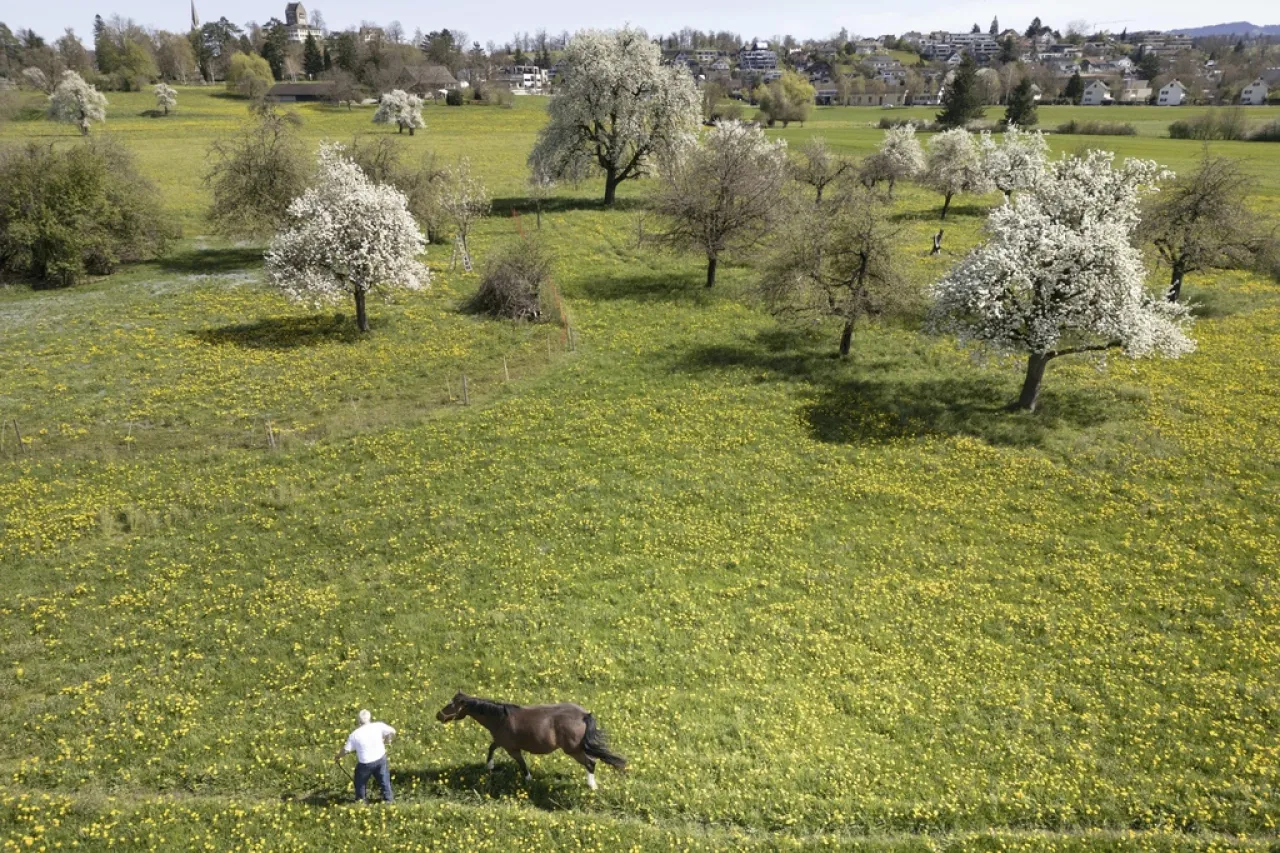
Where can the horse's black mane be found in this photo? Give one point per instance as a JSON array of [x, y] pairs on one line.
[[488, 707]]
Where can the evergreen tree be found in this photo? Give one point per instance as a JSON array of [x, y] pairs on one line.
[[976, 29], [1034, 29], [1074, 89], [312, 58], [328, 59], [962, 101], [275, 45], [1148, 66], [1009, 50], [1021, 107], [104, 47], [995, 26]]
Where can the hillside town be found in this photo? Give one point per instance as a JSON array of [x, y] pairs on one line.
[[1075, 64]]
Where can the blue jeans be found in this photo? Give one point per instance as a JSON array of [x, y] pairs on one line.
[[383, 771]]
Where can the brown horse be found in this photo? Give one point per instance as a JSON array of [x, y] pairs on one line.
[[538, 729]]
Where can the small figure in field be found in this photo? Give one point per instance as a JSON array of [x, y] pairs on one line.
[[538, 729], [369, 743]]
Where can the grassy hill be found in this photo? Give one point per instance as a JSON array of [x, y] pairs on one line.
[[816, 603]]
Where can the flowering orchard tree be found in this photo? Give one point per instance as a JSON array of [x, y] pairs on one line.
[[954, 166], [900, 156], [618, 109], [166, 97], [1060, 273], [725, 193], [401, 109], [349, 236], [1015, 161], [76, 102]]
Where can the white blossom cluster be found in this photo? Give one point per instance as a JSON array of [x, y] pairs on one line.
[[349, 234], [617, 109], [76, 102], [954, 164], [400, 108], [1016, 160], [1060, 272], [166, 96], [901, 152]]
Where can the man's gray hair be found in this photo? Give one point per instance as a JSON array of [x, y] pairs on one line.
[[364, 717]]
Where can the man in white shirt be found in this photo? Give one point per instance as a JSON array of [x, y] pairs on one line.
[[368, 742]]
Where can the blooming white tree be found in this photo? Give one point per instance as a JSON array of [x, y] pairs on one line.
[[76, 102], [900, 157], [401, 109], [617, 109], [36, 79], [349, 236], [724, 193], [954, 165], [166, 96], [1060, 273], [1015, 161]]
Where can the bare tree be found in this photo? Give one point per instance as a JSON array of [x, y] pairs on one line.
[[255, 174], [817, 166], [465, 200], [725, 193], [1202, 221], [837, 259]]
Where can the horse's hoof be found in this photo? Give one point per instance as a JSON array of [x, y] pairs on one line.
[[489, 766], [528, 777], [591, 781]]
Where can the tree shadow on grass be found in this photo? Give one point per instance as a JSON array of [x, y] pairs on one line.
[[854, 411], [1211, 303], [934, 214], [283, 333], [874, 400], [212, 261], [652, 287], [548, 790], [563, 204]]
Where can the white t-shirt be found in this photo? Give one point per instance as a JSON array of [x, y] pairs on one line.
[[367, 741]]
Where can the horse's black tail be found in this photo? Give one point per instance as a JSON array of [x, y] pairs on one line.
[[595, 745]]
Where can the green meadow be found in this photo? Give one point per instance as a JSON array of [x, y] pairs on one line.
[[818, 604]]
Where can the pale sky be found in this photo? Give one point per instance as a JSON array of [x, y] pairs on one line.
[[499, 19]]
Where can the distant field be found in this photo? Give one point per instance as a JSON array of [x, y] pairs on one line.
[[817, 604]]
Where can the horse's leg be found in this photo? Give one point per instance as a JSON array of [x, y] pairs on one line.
[[493, 746], [524, 768], [588, 762]]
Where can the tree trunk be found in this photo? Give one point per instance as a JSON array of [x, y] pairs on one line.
[[1036, 363], [400, 128], [846, 338], [711, 271], [411, 130], [937, 242], [611, 182], [1175, 284], [946, 205], [539, 215], [362, 318], [166, 110]]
